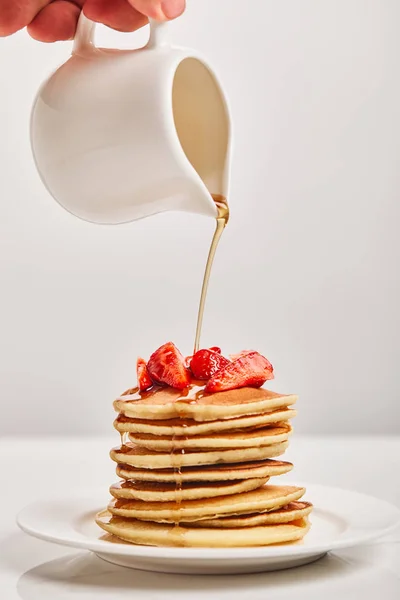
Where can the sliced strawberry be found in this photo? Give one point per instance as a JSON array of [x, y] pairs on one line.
[[167, 365], [207, 362], [240, 354], [250, 370], [143, 376]]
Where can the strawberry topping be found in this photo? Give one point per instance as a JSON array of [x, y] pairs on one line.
[[188, 359], [249, 370], [167, 365], [143, 376], [205, 363]]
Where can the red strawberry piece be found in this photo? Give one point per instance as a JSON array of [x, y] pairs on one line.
[[207, 362], [240, 354], [250, 370], [188, 359], [167, 365], [143, 376]]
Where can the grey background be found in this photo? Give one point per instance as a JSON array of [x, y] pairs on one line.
[[307, 272]]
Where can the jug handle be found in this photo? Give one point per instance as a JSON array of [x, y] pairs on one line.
[[84, 37]]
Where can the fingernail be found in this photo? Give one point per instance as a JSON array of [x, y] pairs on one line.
[[173, 8]]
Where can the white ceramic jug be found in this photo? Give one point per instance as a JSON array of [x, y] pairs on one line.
[[118, 135]]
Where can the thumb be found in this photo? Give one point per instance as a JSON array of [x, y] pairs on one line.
[[159, 9]]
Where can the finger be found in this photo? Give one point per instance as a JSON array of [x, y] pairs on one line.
[[117, 14], [17, 14], [160, 9], [56, 21]]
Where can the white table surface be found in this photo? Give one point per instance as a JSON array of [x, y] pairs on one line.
[[34, 570]]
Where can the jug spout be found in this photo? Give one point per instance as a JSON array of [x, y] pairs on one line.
[[202, 124]]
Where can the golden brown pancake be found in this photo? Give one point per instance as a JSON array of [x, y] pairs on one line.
[[258, 436], [220, 472], [190, 427], [193, 403], [171, 492], [157, 534], [138, 456], [263, 499]]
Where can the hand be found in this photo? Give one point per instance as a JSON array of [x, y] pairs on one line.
[[53, 20]]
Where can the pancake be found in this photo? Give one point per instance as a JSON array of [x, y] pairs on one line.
[[268, 497], [291, 512], [260, 436], [165, 492], [190, 427], [156, 534], [193, 403], [221, 472], [141, 457]]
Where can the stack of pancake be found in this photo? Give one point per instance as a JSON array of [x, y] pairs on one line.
[[195, 469]]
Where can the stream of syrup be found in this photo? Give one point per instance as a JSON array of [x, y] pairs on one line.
[[222, 220]]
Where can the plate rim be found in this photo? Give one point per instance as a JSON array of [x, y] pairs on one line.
[[202, 553]]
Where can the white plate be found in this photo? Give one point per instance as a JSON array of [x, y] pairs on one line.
[[340, 519]]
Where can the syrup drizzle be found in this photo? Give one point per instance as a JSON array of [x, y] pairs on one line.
[[176, 454], [189, 395], [222, 220]]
